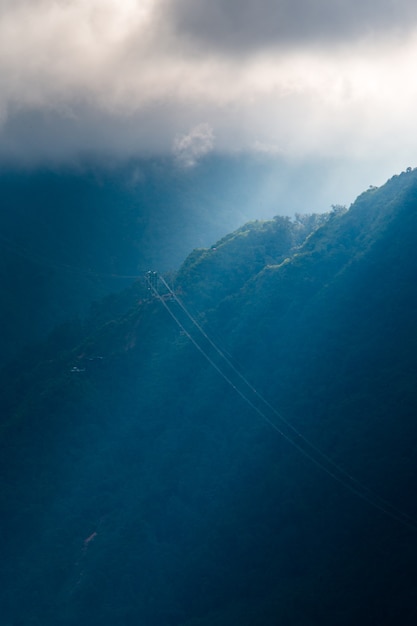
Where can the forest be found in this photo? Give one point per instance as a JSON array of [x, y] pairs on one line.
[[230, 441]]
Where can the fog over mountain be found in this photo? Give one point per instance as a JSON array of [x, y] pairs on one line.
[[70, 235]]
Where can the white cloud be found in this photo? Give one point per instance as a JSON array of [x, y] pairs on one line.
[[191, 147]]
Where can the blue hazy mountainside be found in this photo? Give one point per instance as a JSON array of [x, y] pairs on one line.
[[231, 443], [69, 235]]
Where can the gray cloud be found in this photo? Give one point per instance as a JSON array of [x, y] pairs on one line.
[[245, 26]]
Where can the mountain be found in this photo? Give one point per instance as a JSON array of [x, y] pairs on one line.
[[232, 443], [70, 236]]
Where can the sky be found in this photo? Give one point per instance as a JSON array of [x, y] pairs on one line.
[[330, 81]]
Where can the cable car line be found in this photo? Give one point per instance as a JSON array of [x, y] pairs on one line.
[[334, 471], [305, 440]]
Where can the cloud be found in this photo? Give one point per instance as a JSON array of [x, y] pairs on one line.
[[300, 79], [189, 148], [244, 25]]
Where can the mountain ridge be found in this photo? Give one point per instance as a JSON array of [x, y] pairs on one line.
[[131, 436]]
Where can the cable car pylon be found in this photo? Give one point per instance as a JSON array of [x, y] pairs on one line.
[[152, 280]]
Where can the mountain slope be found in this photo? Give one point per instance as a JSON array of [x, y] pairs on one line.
[[145, 482], [71, 236]]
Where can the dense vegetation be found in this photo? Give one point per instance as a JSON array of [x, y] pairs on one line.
[[70, 236], [143, 482]]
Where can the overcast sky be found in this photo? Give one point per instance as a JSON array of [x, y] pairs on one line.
[[333, 79]]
